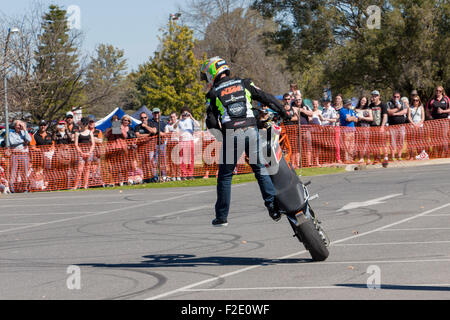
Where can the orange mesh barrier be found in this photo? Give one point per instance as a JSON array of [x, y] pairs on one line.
[[135, 161]]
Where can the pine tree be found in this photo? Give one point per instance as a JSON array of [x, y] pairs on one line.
[[58, 73], [106, 81], [170, 80]]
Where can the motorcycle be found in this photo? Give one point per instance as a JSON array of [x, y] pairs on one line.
[[292, 195]]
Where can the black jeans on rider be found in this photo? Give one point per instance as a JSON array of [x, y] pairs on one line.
[[235, 142]]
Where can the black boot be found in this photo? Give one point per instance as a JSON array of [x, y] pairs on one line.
[[274, 213]]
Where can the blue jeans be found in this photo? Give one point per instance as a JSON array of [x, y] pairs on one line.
[[239, 142], [158, 155]]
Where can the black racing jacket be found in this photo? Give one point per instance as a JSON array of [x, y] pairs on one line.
[[229, 104]]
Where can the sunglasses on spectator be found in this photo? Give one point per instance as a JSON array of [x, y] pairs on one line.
[[416, 100], [144, 118], [438, 90]]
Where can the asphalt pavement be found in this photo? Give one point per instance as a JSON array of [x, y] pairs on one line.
[[390, 232]]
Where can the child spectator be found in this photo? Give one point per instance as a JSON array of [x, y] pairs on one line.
[[4, 185], [135, 174], [37, 179]]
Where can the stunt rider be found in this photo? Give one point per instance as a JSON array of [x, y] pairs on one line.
[[230, 112]]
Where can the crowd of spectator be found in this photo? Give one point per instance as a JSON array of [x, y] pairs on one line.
[[85, 156], [77, 151], [344, 115]]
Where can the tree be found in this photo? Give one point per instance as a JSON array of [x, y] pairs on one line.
[[229, 29], [170, 80], [106, 80], [333, 38], [58, 74]]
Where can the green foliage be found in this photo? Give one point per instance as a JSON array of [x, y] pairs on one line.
[[106, 80], [57, 69], [170, 80], [236, 36], [331, 39]]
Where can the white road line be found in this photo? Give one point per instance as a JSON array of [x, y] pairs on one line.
[[393, 224], [128, 208], [439, 215], [181, 211], [67, 204], [415, 229], [193, 285], [45, 214], [17, 224], [68, 196]]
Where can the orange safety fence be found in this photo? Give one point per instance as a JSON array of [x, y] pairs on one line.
[[136, 161]]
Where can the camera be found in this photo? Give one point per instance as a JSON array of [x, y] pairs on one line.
[[186, 114]]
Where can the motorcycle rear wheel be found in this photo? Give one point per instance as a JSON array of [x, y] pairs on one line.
[[311, 239]]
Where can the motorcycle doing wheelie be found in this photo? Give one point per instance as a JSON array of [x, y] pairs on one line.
[[292, 196]]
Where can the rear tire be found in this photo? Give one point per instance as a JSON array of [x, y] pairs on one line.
[[311, 239]]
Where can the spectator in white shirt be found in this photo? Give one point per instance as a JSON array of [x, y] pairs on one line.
[[186, 127], [174, 161], [329, 115], [19, 139]]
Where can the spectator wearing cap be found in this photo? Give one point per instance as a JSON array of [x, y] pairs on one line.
[[158, 154], [71, 127], [145, 146], [365, 119], [380, 117], [63, 157], [60, 135], [42, 137], [329, 115], [348, 119], [44, 141], [439, 108], [305, 113]]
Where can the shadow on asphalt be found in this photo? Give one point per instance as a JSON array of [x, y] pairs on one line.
[[396, 287], [182, 260]]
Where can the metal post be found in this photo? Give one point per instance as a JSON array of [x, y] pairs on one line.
[[158, 148], [6, 111], [300, 162], [5, 80]]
